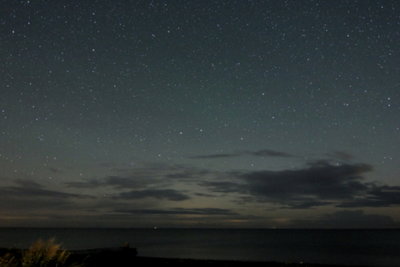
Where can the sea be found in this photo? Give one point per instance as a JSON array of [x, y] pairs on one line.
[[343, 247]]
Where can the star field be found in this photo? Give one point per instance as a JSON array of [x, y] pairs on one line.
[[199, 113]]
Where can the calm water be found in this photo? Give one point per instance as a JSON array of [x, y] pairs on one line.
[[355, 247]]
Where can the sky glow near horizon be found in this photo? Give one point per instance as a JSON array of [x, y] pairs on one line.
[[200, 113]]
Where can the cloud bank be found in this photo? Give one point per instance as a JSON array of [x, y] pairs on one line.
[[184, 192]]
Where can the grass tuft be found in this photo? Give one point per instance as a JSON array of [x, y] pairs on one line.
[[40, 254]]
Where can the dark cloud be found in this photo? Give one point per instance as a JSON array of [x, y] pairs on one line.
[[270, 153], [377, 196], [180, 211], [85, 184], [319, 184], [225, 186], [204, 195], [29, 196], [258, 153], [217, 156], [348, 219], [305, 203], [166, 194], [310, 185]]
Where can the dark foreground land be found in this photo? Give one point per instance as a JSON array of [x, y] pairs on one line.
[[127, 257]]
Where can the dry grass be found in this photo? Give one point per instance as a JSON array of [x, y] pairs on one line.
[[40, 254]]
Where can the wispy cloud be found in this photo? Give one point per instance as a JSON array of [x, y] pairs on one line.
[[162, 194], [28, 188], [119, 182], [180, 211], [257, 153], [142, 177], [341, 156]]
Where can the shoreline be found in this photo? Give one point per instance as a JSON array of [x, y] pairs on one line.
[[126, 256], [238, 263]]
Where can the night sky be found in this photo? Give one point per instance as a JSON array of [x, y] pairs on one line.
[[200, 113]]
